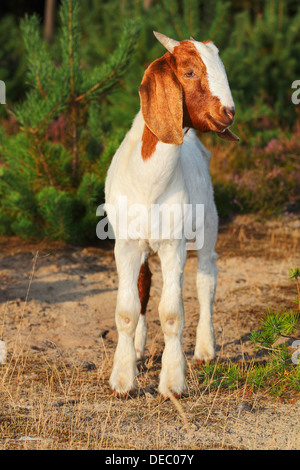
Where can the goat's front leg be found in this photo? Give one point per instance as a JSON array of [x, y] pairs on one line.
[[128, 260], [206, 287], [171, 313]]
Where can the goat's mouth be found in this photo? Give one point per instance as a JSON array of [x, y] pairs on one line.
[[220, 126]]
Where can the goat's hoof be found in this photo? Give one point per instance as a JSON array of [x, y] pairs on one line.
[[123, 395], [200, 362], [122, 392], [171, 396], [122, 381], [173, 391], [205, 359]]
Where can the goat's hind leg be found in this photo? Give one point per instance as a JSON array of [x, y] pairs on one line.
[[128, 260], [144, 284]]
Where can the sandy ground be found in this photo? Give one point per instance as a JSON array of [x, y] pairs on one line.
[[57, 306]]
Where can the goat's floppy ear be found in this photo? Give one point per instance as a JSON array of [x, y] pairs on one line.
[[161, 102], [228, 135]]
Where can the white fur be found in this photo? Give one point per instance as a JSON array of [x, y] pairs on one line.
[[172, 175], [216, 74], [140, 337]]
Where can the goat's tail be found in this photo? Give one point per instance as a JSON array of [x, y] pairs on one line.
[[144, 284]]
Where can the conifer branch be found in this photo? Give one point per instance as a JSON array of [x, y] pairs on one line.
[[15, 157], [43, 160], [40, 86], [98, 85], [74, 141], [47, 118]]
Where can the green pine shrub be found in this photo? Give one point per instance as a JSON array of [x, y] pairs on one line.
[[53, 171], [278, 374]]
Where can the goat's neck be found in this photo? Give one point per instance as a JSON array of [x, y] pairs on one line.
[[152, 176]]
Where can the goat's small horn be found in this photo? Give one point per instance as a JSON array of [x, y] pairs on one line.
[[167, 42]]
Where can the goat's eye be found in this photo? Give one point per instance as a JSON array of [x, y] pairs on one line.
[[190, 74]]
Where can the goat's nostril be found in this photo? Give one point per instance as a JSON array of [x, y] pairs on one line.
[[230, 112]]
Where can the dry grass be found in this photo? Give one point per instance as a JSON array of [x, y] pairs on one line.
[[57, 406], [53, 404], [51, 399]]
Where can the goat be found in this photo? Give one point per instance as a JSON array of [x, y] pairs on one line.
[[161, 161]]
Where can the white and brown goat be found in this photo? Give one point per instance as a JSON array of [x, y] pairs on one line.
[[162, 162]]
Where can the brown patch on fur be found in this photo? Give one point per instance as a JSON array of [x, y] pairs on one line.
[[175, 93], [161, 101], [149, 141], [198, 103], [144, 284]]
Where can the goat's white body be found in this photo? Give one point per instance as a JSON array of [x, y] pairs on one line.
[[174, 174]]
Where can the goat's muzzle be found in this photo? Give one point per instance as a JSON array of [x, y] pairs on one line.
[[228, 114], [224, 119]]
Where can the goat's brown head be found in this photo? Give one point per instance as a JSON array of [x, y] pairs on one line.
[[187, 87]]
